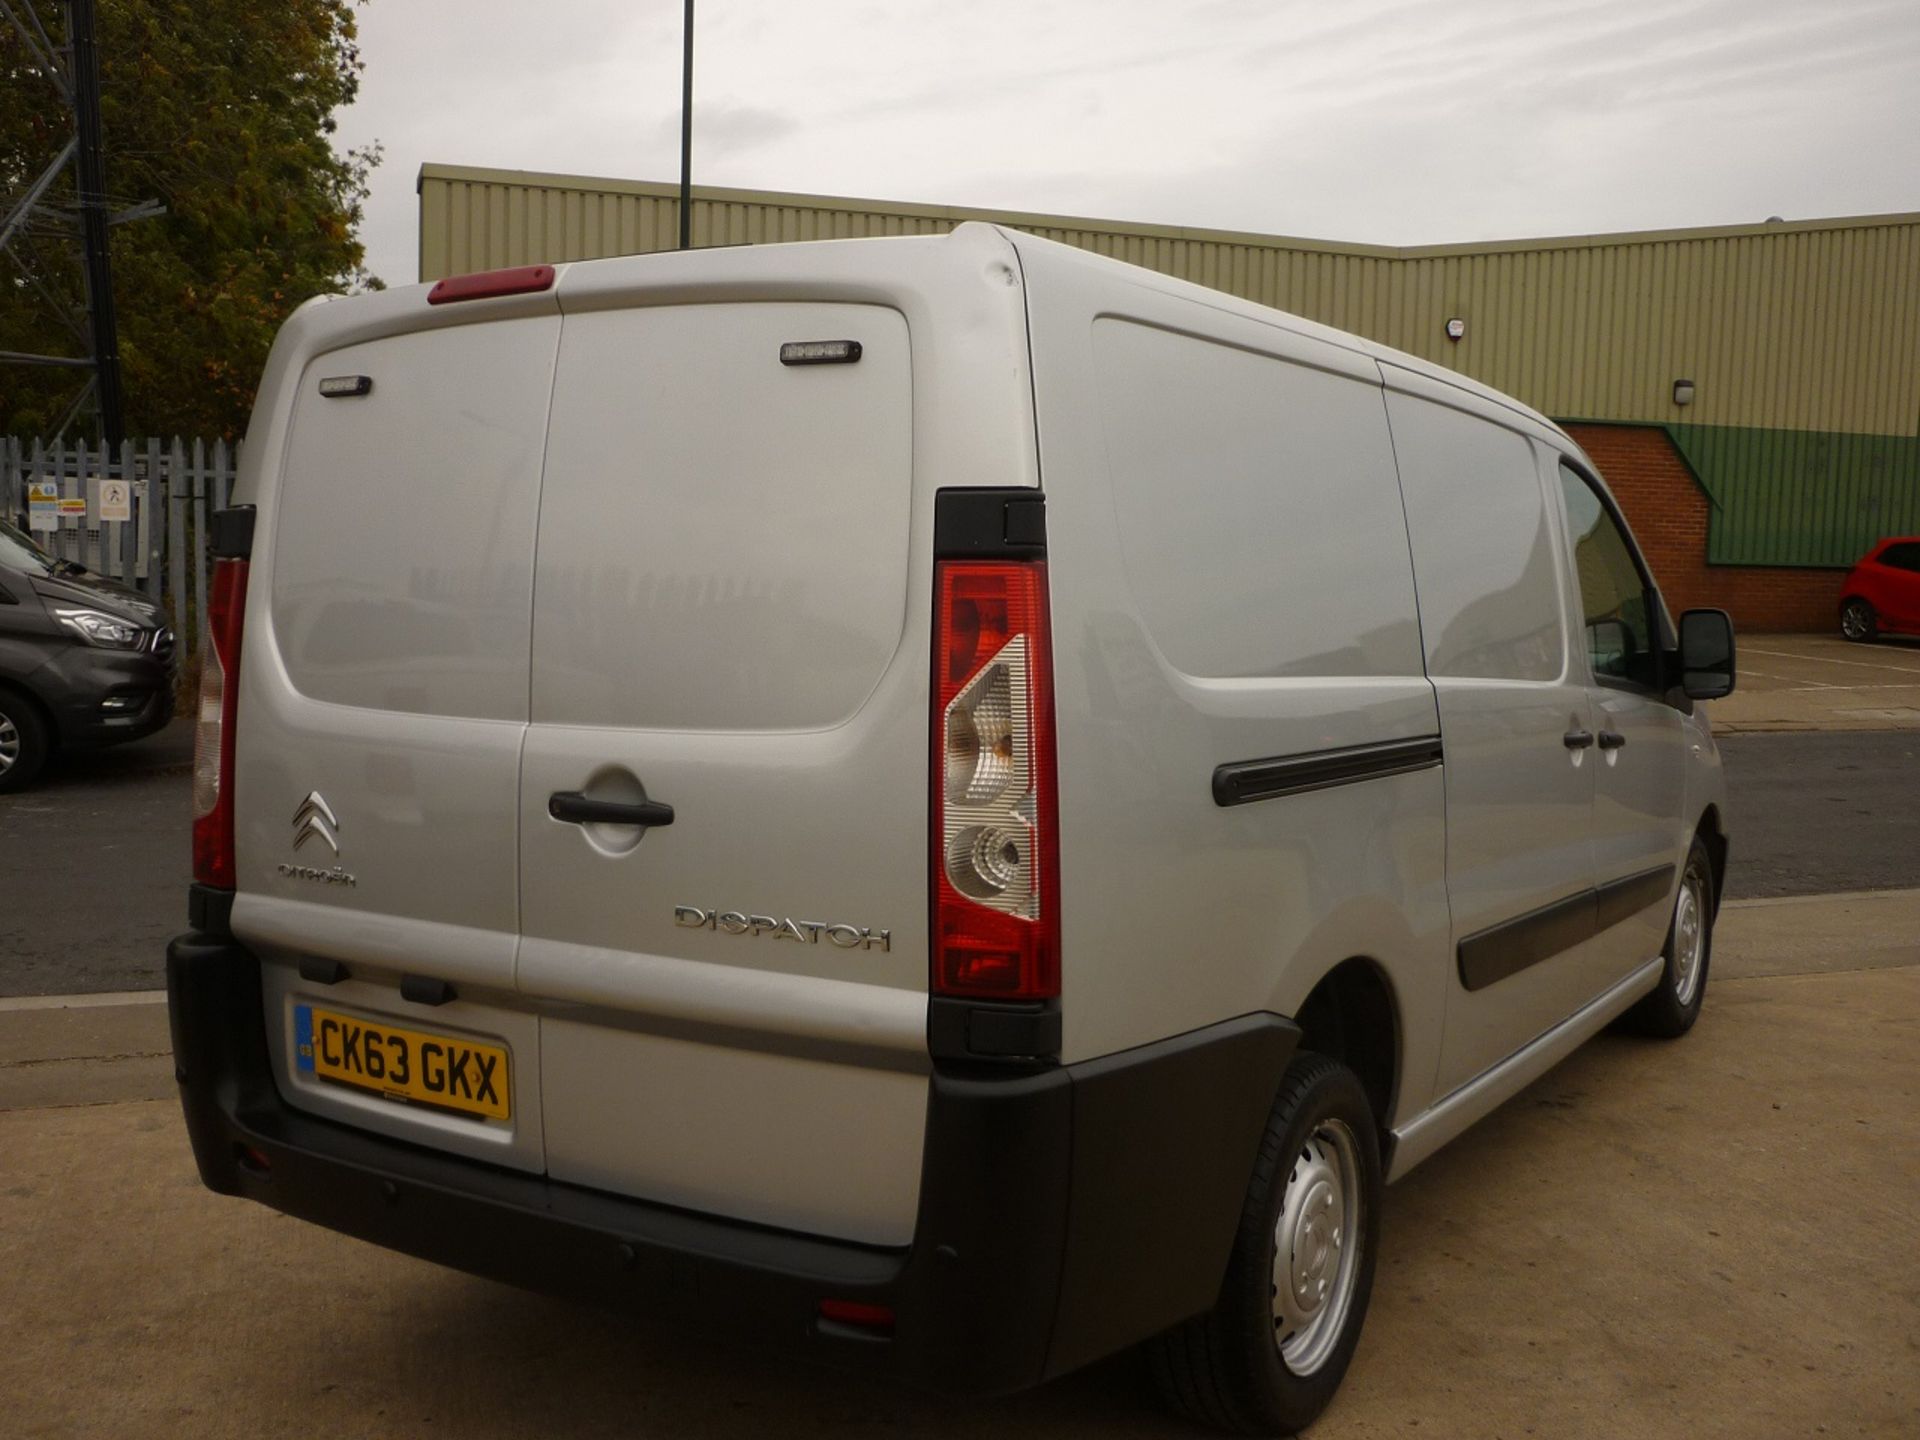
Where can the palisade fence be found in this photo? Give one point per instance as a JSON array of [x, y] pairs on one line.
[[171, 488]]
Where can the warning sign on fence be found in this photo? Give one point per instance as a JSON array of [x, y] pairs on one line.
[[43, 505], [116, 500]]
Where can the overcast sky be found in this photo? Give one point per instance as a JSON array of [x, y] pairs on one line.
[[1388, 121]]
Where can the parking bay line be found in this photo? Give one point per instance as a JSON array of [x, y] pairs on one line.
[[1824, 660]]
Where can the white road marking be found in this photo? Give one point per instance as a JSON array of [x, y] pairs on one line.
[[82, 1002], [1823, 660]]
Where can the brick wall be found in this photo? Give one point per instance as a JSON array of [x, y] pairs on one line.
[[1668, 513]]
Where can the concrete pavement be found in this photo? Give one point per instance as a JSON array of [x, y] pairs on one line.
[[1710, 1238]]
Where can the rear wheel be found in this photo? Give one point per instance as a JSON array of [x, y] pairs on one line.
[[1270, 1354], [1674, 1005], [1859, 620], [23, 742]]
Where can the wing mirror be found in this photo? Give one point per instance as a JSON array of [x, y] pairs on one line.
[[1706, 654]]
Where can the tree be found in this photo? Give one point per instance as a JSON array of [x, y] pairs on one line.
[[223, 111]]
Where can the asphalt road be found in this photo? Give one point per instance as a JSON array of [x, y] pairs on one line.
[[94, 863]]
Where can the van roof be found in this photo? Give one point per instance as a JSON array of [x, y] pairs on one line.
[[1137, 275]]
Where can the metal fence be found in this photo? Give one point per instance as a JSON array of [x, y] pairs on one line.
[[138, 515]]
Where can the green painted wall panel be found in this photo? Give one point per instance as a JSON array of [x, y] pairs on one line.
[[1801, 497]]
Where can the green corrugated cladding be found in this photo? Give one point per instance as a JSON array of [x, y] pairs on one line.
[[1801, 497]]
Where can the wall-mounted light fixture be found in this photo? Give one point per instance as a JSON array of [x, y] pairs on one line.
[[1456, 328], [1683, 392]]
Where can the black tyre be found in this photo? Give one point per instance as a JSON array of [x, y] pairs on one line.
[[1859, 621], [24, 742], [1270, 1354], [1674, 1004]]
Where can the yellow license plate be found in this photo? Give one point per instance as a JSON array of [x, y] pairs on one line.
[[412, 1065]]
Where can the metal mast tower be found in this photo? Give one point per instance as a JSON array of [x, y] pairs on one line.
[[73, 70]]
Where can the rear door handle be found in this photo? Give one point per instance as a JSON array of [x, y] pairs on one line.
[[578, 809], [1577, 739], [1611, 739]]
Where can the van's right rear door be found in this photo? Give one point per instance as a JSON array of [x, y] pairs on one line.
[[734, 1000]]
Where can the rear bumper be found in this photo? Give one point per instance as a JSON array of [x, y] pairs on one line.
[[1063, 1215]]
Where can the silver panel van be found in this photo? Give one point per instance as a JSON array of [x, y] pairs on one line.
[[944, 802]]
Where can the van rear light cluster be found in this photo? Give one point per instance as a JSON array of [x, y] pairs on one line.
[[996, 850], [213, 726]]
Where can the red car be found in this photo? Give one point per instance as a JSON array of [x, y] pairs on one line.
[[1883, 591]]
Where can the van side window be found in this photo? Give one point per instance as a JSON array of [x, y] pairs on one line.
[[1617, 603]]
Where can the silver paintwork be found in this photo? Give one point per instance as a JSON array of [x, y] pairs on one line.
[[1486, 1092], [1316, 1247], [612, 555]]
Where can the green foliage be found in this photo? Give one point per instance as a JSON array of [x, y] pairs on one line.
[[221, 110]]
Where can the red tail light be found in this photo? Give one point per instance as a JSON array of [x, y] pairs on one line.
[[213, 728], [996, 833]]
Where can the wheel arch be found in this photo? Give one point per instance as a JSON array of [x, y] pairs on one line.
[[1712, 833], [42, 711], [1353, 1015]]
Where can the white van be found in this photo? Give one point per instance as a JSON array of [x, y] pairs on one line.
[[945, 802]]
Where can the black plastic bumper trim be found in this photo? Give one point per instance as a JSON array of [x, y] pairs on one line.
[[210, 911], [1064, 1214], [1243, 781]]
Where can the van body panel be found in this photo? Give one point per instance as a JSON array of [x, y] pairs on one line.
[[1638, 830], [799, 1142], [1180, 445], [701, 574], [403, 534], [1519, 801]]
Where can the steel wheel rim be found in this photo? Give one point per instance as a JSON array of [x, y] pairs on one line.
[[1689, 937], [9, 742], [1316, 1248], [1853, 622]]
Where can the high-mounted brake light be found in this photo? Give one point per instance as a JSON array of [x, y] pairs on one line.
[[486, 284], [996, 840], [213, 727]]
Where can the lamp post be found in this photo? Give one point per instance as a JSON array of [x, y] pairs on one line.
[[686, 131]]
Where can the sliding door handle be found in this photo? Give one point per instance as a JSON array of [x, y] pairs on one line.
[[577, 809], [1577, 739]]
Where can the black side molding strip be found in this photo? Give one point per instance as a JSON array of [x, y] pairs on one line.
[[1626, 897], [1513, 945], [1492, 954], [1243, 781]]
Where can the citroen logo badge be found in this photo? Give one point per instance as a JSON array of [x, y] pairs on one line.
[[314, 820]]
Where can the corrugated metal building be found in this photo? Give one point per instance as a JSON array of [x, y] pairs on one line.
[[1799, 446]]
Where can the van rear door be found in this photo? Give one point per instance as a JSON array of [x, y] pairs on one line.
[[724, 786], [383, 699]]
